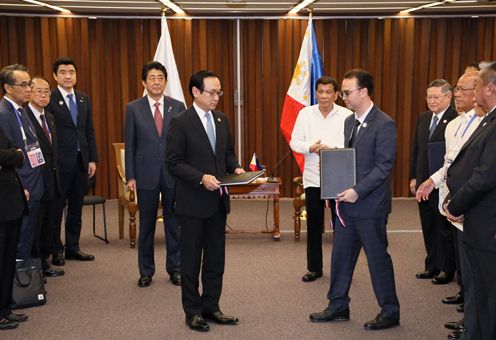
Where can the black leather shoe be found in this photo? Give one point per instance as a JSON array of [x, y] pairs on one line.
[[460, 308], [58, 259], [442, 278], [197, 323], [175, 278], [453, 300], [221, 318], [311, 276], [426, 274], [144, 281], [456, 334], [327, 316], [53, 272], [16, 317], [455, 325], [7, 324], [381, 322], [79, 256]]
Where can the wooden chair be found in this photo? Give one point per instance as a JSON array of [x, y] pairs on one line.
[[127, 198], [299, 205]]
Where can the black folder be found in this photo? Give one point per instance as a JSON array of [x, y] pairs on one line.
[[435, 155], [244, 178], [337, 171]]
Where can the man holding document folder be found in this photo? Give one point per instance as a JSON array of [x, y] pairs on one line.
[[363, 209]]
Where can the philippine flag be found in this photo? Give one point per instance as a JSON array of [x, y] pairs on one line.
[[301, 92], [254, 164]]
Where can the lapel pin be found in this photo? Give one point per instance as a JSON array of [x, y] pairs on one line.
[[61, 103], [484, 124], [218, 119], [445, 121], [81, 99], [170, 108], [364, 125]]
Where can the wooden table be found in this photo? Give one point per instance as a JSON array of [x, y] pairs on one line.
[[261, 189]]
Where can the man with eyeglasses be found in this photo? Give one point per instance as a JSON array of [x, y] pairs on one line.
[[430, 128], [44, 126], [318, 127], [16, 87], [77, 157], [145, 136], [364, 208], [200, 150]]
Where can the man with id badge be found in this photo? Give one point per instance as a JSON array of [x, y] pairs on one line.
[[16, 86]]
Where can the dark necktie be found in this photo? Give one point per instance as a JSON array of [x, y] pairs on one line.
[[73, 108], [354, 133], [157, 117], [210, 130], [44, 126], [433, 126]]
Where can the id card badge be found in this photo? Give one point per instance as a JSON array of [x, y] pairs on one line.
[[35, 155]]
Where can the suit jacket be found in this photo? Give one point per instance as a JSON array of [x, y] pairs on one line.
[[145, 149], [50, 172], [69, 135], [31, 178], [11, 193], [472, 184], [419, 162], [375, 147], [190, 156]]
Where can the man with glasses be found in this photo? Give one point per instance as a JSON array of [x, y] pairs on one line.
[[438, 240], [364, 208], [318, 127], [44, 126], [77, 158], [200, 150], [145, 134]]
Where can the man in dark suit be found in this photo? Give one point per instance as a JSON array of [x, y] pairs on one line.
[[44, 126], [77, 157], [15, 83], [199, 151], [18, 128], [438, 239], [364, 208], [145, 135], [471, 180]]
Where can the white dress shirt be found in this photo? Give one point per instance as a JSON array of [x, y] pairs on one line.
[[152, 102], [203, 117]]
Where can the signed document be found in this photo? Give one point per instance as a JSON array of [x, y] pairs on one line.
[[244, 178]]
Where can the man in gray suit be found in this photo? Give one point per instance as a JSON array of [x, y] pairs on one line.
[[147, 124], [364, 208]]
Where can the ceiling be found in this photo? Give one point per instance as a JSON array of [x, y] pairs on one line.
[[251, 7]]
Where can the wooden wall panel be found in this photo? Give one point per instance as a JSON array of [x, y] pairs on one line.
[[404, 55]]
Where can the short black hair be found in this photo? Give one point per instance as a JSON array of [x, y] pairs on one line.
[[152, 65], [196, 80], [63, 61], [443, 84], [7, 74], [326, 80], [364, 79]]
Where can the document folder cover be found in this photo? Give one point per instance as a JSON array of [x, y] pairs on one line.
[[435, 155], [244, 178], [337, 171]]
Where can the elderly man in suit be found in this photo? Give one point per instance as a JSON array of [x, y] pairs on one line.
[[77, 158], [365, 207], [438, 240], [44, 126], [147, 124], [199, 151], [471, 180]]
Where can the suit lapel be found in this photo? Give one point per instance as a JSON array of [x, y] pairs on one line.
[[482, 126], [364, 127], [167, 116], [59, 101], [147, 115], [36, 124], [198, 125], [219, 133]]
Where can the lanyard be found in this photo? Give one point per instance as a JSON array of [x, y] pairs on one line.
[[24, 138], [466, 127]]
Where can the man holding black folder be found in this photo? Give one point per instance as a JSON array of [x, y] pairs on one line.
[[363, 209], [318, 127], [431, 125]]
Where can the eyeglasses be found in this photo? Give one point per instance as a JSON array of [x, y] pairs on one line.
[[459, 88], [214, 93], [435, 98], [42, 92], [24, 85], [346, 93]]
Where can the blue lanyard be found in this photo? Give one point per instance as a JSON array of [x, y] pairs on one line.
[[466, 127]]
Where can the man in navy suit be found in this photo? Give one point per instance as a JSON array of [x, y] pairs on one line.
[[77, 157], [364, 208], [199, 151], [145, 135]]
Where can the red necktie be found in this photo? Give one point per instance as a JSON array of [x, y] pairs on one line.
[[44, 126], [157, 117]]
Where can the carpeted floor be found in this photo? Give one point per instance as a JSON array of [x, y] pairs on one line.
[[262, 285]]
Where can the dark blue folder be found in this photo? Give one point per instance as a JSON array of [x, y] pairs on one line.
[[435, 155]]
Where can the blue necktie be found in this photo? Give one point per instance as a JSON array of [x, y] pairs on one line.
[[73, 108], [433, 125], [210, 130]]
